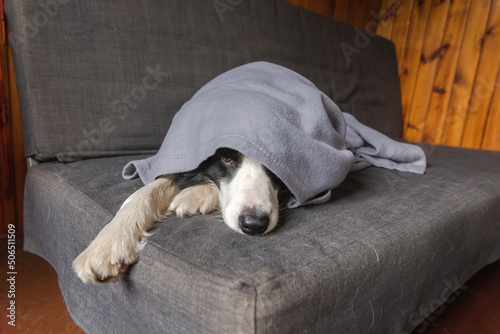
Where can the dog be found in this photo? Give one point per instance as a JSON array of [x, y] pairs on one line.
[[247, 193]]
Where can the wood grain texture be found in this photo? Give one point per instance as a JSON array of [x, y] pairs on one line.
[[386, 18], [466, 72], [402, 22], [485, 81], [491, 138], [445, 72], [411, 56], [432, 51], [449, 63]]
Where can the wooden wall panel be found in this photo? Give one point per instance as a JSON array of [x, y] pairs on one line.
[[445, 72], [432, 50], [484, 83], [449, 62], [492, 133], [466, 73], [402, 14], [411, 56], [386, 18]]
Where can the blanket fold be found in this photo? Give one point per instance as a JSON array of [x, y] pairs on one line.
[[281, 119]]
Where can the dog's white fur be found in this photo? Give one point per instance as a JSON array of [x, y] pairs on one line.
[[119, 242], [250, 188], [202, 198]]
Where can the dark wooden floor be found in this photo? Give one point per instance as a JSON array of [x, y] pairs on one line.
[[476, 310], [40, 307]]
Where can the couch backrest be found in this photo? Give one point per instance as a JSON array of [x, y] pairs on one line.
[[101, 78]]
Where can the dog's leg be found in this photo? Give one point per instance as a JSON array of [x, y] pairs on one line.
[[119, 242], [200, 198]]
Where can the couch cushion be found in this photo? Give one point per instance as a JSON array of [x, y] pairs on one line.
[[379, 257], [101, 78]]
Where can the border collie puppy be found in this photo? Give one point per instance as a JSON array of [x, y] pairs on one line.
[[245, 190]]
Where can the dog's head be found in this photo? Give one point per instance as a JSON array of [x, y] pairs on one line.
[[248, 191]]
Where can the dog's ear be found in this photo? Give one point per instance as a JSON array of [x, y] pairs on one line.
[[275, 179], [193, 178], [283, 192]]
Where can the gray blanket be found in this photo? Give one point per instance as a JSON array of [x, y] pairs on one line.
[[281, 119]]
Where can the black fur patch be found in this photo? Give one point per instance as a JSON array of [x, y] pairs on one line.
[[222, 166]]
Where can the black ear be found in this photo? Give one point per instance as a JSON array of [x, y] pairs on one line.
[[189, 179], [283, 192], [198, 175], [212, 170]]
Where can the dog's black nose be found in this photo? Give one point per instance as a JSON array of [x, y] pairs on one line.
[[253, 225]]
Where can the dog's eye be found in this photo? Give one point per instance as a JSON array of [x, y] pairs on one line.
[[227, 160]]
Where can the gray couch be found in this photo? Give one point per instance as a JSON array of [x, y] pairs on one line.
[[99, 82]]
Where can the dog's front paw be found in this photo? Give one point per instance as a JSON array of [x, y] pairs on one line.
[[201, 198], [108, 256]]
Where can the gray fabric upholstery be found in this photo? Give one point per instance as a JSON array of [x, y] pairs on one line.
[[100, 79], [113, 73], [357, 264]]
